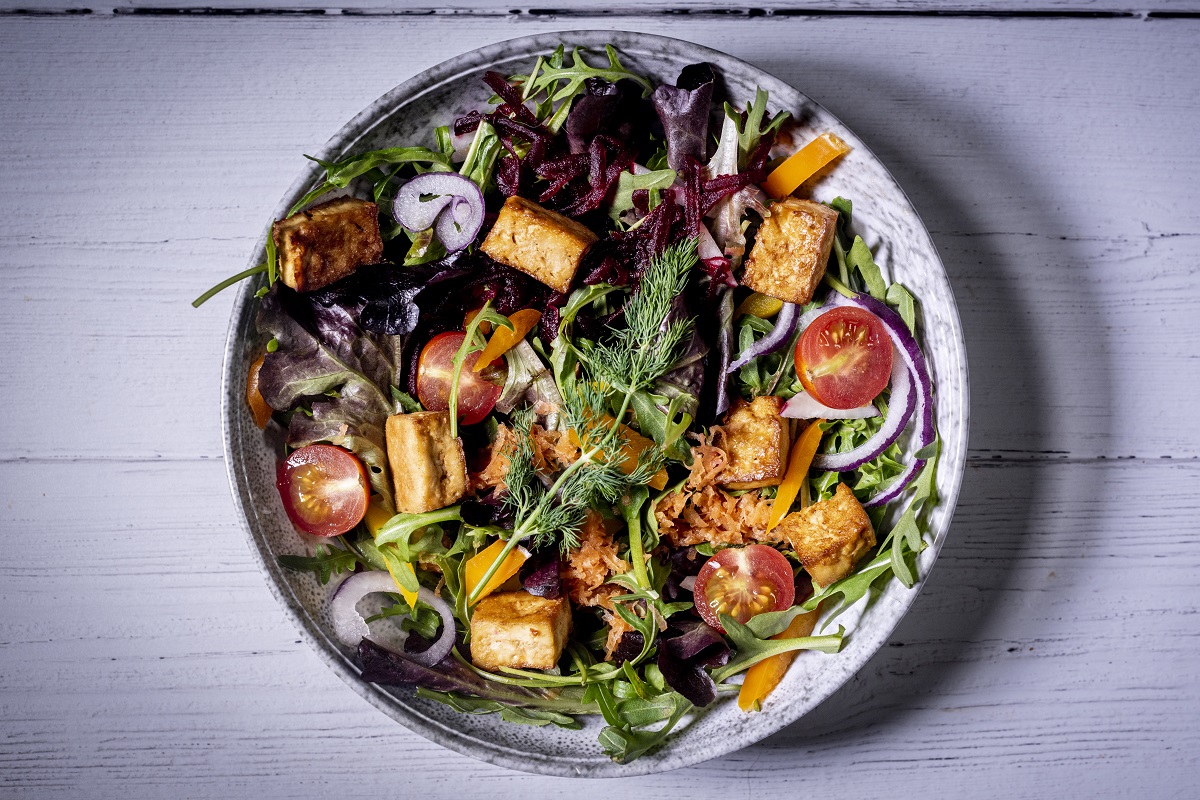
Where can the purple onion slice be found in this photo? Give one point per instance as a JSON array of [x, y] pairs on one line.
[[449, 203], [912, 396], [805, 406], [350, 627], [785, 325], [900, 410]]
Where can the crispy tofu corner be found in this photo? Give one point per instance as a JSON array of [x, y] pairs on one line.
[[757, 441], [519, 630], [429, 468], [789, 255], [327, 242], [829, 537], [539, 242]]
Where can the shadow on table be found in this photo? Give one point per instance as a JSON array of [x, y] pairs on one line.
[[1004, 491]]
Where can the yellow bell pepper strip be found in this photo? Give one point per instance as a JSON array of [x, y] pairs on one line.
[[504, 340], [259, 408], [762, 678], [797, 472], [481, 562], [803, 164], [635, 443], [376, 517], [760, 305]]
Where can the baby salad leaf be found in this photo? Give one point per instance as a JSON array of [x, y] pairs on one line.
[[628, 183], [860, 258], [904, 303], [322, 349], [324, 563], [751, 649], [522, 716]]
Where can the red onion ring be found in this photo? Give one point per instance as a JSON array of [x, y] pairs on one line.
[[912, 390], [351, 628], [785, 324], [453, 208], [805, 406]]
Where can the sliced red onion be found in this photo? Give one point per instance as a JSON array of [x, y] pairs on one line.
[[805, 406], [449, 203], [912, 396], [351, 628], [785, 325], [688, 583], [900, 409]]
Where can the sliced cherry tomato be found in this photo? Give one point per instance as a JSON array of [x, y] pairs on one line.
[[743, 582], [477, 391], [844, 358], [324, 489], [258, 405]]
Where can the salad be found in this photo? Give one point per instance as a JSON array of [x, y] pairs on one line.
[[598, 412]]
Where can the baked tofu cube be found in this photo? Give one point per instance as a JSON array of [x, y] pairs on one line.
[[789, 255], [519, 630], [757, 441], [539, 242], [830, 536], [327, 242], [429, 468]]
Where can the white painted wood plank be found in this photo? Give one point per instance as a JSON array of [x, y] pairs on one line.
[[568, 9], [1051, 652], [1068, 217]]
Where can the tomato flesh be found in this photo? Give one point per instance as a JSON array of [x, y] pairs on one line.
[[844, 358], [477, 391], [743, 582], [324, 489]]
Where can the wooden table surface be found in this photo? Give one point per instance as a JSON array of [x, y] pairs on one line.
[[1051, 149]]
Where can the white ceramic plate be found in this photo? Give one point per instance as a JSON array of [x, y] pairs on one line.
[[883, 216]]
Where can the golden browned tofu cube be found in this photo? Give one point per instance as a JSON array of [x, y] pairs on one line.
[[789, 255], [519, 630], [539, 242], [830, 536], [327, 242], [429, 469], [757, 441]]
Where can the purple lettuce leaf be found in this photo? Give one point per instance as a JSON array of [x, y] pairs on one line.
[[683, 110]]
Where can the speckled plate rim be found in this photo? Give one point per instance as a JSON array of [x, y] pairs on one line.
[[949, 482]]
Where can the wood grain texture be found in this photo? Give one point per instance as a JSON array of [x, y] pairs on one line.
[[141, 655]]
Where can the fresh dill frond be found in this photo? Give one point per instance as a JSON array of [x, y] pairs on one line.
[[634, 356]]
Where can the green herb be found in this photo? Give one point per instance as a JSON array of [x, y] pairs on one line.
[[325, 562], [558, 83], [751, 649], [338, 174], [750, 126], [225, 284], [902, 300], [472, 342], [628, 183], [860, 259], [405, 401]]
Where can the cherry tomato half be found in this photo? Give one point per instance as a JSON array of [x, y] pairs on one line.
[[477, 391], [324, 489], [743, 582], [844, 358]]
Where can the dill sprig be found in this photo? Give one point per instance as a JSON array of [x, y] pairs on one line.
[[628, 362]]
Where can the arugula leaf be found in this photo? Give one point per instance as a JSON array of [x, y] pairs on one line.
[[560, 82], [509, 713], [338, 174], [401, 529], [628, 183], [751, 649], [623, 743], [405, 401], [324, 563], [860, 258], [905, 305]]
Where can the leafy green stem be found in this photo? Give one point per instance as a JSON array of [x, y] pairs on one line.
[[225, 284]]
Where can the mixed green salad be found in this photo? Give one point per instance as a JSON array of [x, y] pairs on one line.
[[603, 415]]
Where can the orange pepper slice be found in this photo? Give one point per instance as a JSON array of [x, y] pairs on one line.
[[258, 404], [762, 678], [635, 443], [504, 340], [797, 472], [803, 164], [478, 566]]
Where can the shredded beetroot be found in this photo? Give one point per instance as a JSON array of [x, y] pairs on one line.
[[467, 123], [511, 97]]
